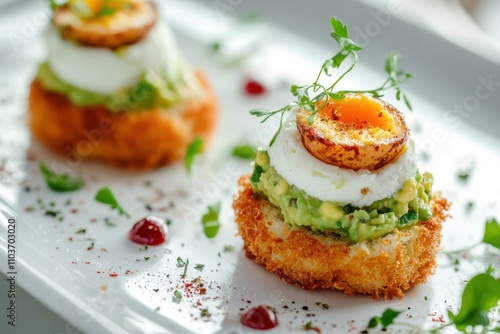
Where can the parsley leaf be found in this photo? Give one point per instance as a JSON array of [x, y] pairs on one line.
[[195, 148], [177, 294], [314, 97], [199, 266], [245, 152], [60, 182], [210, 220], [341, 35], [385, 320], [104, 195], [481, 294], [54, 4], [492, 233]]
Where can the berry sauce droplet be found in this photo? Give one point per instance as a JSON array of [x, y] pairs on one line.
[[260, 317], [253, 87], [148, 231]]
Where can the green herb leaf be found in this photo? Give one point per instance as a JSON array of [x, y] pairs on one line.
[[385, 320], [185, 268], [81, 231], [336, 61], [60, 182], [314, 97], [492, 233], [341, 35], [195, 148], [392, 64], [245, 152], [210, 220], [177, 294], [199, 266], [105, 196], [481, 294]]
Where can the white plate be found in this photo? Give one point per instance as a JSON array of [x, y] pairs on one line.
[[54, 264]]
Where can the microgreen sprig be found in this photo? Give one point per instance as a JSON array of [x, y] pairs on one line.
[[314, 97]]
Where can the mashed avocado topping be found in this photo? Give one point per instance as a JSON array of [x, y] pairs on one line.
[[403, 209], [156, 89]]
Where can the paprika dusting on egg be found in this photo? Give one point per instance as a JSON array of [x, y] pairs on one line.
[[148, 231], [260, 317]]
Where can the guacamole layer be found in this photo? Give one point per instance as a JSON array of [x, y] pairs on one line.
[[402, 210], [156, 89]]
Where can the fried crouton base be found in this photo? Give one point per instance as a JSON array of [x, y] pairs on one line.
[[141, 139], [385, 267]]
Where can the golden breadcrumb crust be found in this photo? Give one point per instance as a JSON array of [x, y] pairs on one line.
[[141, 139], [385, 267]]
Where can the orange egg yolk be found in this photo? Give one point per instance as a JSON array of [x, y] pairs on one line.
[[358, 112]]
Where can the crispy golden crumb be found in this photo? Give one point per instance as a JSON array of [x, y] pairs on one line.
[[138, 140], [385, 267]]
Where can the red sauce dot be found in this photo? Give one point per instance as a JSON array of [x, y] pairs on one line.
[[253, 87], [260, 317], [148, 231]]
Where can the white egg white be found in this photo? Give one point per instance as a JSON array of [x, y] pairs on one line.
[[105, 71], [331, 183]]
